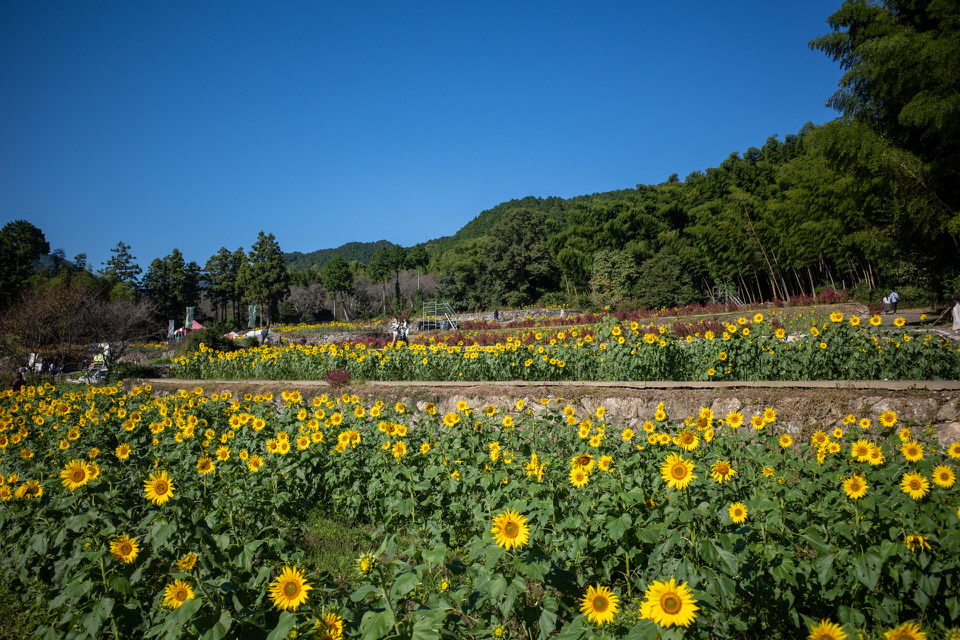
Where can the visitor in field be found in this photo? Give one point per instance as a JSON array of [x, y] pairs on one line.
[[894, 299], [395, 330], [17, 383], [956, 312], [886, 304]]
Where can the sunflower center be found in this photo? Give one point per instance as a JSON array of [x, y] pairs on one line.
[[670, 603], [915, 485], [291, 589], [78, 475], [722, 469], [600, 604], [511, 529], [678, 471], [125, 549], [180, 594], [160, 487]]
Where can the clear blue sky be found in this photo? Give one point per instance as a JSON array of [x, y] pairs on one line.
[[197, 124]]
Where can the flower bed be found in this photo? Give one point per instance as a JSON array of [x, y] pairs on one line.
[[126, 514]]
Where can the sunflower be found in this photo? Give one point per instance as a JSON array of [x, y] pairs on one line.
[[599, 604], [860, 450], [176, 593], [668, 604], [954, 450], [876, 455], [583, 461], [757, 422], [188, 562], [943, 476], [158, 488], [865, 423], [906, 631], [914, 485], [254, 463], [888, 419], [289, 590], [767, 472], [721, 471], [579, 477], [876, 320], [735, 419], [627, 435], [855, 487], [510, 530], [738, 513], [205, 465], [605, 463], [687, 440], [916, 542], [124, 549], [912, 451], [123, 451], [899, 322], [677, 472], [819, 438], [826, 630], [785, 440], [76, 474], [328, 627]]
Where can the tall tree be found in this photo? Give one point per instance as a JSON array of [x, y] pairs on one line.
[[220, 272], [518, 267], [263, 279], [379, 272], [902, 78], [172, 285], [338, 279], [20, 244], [418, 258], [121, 272]]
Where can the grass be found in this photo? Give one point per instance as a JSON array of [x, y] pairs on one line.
[[332, 545]]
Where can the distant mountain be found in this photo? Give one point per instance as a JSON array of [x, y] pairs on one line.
[[352, 251]]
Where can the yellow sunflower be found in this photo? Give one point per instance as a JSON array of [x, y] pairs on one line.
[[912, 451], [176, 593], [677, 472], [738, 512], [735, 419], [855, 487], [205, 465], [785, 440], [123, 451], [328, 627], [722, 471], [124, 549], [583, 461], [289, 590], [888, 419], [579, 477], [954, 450], [943, 476], [669, 603], [76, 474], [510, 530], [599, 605], [188, 562], [860, 450], [906, 631], [916, 542], [914, 485], [687, 440], [826, 630], [757, 422], [159, 489]]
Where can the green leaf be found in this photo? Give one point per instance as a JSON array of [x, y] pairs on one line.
[[95, 619], [548, 617], [644, 630], [406, 583], [618, 526], [375, 624], [867, 567], [435, 555], [286, 622], [362, 592], [245, 558], [824, 566]]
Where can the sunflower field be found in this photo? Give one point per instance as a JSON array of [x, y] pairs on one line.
[[798, 347], [125, 514]]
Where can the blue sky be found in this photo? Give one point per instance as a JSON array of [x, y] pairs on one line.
[[197, 124]]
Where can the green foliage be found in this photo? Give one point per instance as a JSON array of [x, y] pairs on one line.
[[20, 244], [263, 279], [121, 267], [350, 252], [172, 285]]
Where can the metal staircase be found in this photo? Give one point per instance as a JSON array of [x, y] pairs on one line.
[[438, 315]]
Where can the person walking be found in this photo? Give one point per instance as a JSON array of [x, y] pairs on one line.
[[894, 299]]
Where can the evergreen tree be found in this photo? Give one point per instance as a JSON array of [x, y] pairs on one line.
[[20, 244], [338, 279], [263, 278], [172, 285]]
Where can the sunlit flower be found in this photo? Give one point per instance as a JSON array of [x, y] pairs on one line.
[[737, 513], [510, 530], [176, 593], [669, 604], [677, 472], [826, 630], [124, 549], [289, 590], [914, 485], [599, 605]]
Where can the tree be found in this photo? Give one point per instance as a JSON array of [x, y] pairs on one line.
[[20, 244], [220, 272], [902, 78], [263, 279], [172, 285], [417, 258], [122, 266], [379, 272], [518, 267], [396, 260], [337, 279]]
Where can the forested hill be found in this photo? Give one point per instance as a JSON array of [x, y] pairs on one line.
[[352, 251]]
